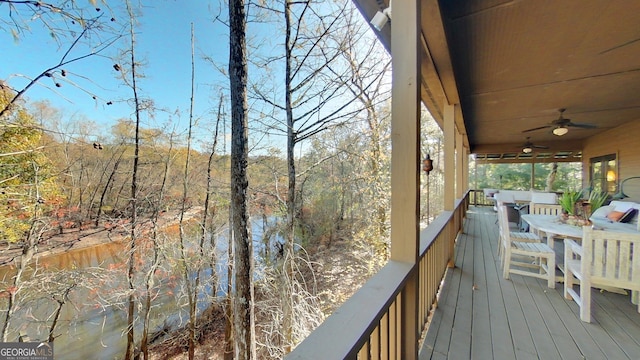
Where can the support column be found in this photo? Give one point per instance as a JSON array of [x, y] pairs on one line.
[[467, 181], [449, 157], [475, 181], [405, 163], [459, 165]]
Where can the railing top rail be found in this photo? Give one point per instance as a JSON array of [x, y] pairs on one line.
[[341, 335], [344, 333], [429, 234]]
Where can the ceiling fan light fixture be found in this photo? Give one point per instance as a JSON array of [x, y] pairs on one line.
[[527, 150], [560, 130]]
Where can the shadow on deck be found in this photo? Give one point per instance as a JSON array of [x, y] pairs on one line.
[[483, 316]]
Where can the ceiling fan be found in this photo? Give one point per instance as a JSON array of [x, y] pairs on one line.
[[561, 125], [528, 146]]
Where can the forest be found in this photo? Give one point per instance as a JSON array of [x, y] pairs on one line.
[[168, 225]]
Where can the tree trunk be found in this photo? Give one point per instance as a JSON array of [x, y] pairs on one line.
[[552, 177], [106, 187], [228, 329], [192, 288], [287, 262], [130, 350], [157, 257], [243, 301]]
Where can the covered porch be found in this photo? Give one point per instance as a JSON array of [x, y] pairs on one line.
[[465, 309], [480, 315], [494, 74]]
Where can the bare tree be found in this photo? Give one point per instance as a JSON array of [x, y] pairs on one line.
[[314, 80], [243, 300], [192, 289], [551, 178], [369, 84], [130, 350], [77, 26], [33, 235], [157, 257], [26, 182]]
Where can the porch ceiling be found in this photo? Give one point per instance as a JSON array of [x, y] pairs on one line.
[[512, 64]]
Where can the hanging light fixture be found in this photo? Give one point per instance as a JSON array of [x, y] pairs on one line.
[[381, 18], [560, 130], [427, 164], [527, 149]]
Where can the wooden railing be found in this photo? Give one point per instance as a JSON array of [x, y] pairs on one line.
[[477, 198], [371, 324]]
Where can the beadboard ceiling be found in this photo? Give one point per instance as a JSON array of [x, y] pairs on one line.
[[511, 65]]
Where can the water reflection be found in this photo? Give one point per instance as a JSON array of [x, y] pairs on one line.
[[92, 322]]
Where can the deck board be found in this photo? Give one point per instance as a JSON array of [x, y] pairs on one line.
[[464, 309], [501, 341], [482, 316], [482, 347]]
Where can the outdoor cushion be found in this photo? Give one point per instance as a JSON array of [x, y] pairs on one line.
[[615, 215], [623, 205], [602, 211]]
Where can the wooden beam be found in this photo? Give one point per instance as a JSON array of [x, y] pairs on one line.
[[449, 157], [533, 159], [465, 171], [553, 146], [459, 165]]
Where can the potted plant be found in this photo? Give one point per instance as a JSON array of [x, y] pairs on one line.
[[568, 201], [597, 199]]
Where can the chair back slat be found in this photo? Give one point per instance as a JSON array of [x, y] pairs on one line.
[[625, 260], [611, 258], [545, 209]]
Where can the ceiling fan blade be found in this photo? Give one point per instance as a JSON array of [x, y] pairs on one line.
[[538, 128], [540, 146], [582, 126]]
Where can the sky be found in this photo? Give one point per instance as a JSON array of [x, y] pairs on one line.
[[164, 46]]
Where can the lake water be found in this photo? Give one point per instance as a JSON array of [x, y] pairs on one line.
[[92, 323]]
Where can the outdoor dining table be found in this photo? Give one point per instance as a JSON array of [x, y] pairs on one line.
[[553, 227]]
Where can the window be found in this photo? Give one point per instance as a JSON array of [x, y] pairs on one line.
[[604, 173]]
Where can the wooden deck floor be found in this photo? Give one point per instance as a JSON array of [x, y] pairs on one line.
[[483, 316]]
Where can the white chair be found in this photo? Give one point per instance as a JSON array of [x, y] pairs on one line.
[[544, 209], [539, 259], [544, 198], [605, 259], [513, 210], [544, 203], [503, 197], [515, 235], [489, 193]]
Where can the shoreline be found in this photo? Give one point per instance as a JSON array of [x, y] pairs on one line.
[[70, 240], [87, 236]]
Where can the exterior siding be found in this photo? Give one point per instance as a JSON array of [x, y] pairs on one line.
[[624, 141]]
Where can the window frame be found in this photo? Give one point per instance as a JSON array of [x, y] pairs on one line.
[[600, 177]]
